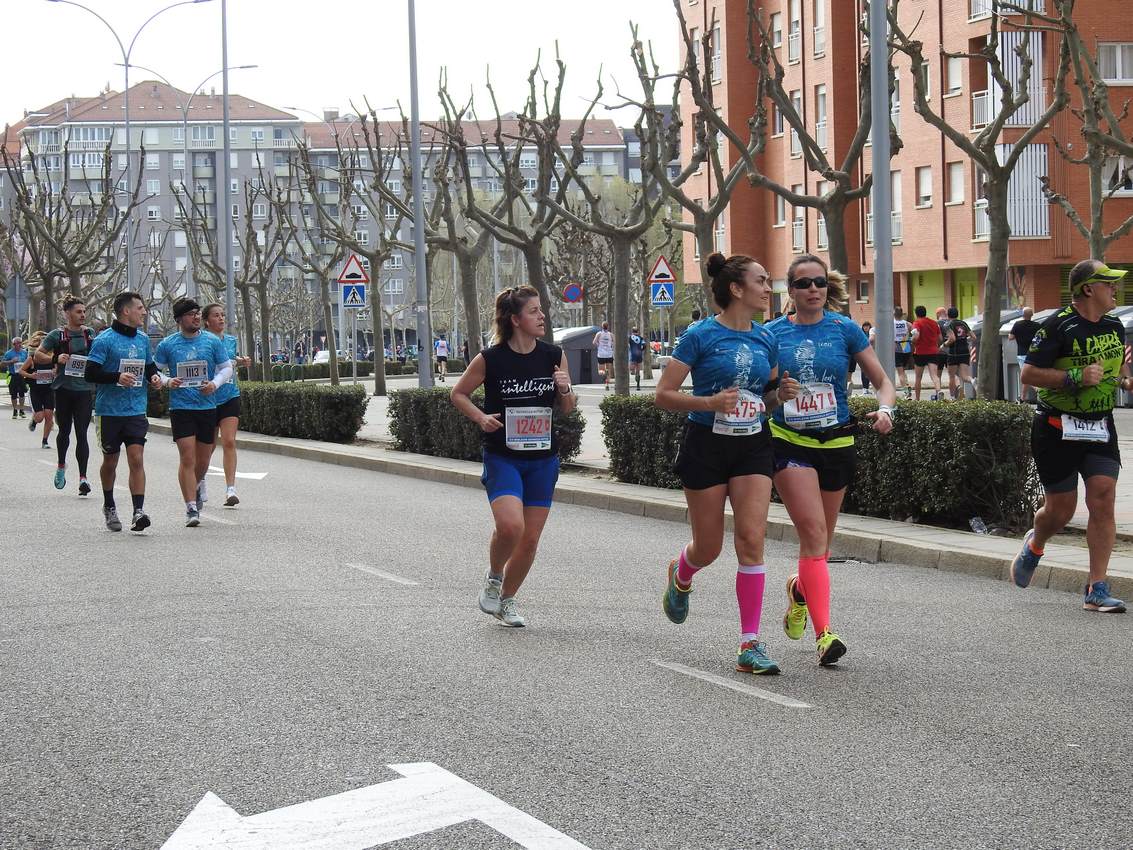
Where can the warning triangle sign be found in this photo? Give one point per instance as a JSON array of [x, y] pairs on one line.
[[354, 297], [662, 271], [353, 272]]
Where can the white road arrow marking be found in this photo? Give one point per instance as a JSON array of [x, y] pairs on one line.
[[426, 799], [252, 476]]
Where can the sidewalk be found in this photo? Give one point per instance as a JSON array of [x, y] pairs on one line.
[[593, 452], [858, 538]]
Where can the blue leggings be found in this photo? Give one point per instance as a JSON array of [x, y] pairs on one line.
[[532, 481]]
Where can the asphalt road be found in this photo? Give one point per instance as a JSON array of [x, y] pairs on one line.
[[249, 659]]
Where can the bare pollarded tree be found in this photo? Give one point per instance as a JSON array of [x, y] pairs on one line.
[[996, 159], [66, 235]]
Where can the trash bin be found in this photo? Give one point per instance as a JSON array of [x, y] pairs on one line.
[[1011, 352], [976, 324]]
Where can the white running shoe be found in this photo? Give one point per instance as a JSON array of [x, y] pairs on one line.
[[509, 615], [490, 596]]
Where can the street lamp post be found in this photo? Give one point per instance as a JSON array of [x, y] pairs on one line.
[[882, 192], [126, 51], [424, 335], [185, 107]]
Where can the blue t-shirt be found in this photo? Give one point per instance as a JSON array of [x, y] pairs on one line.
[[228, 390], [18, 356], [110, 348], [202, 353], [720, 358], [820, 357]]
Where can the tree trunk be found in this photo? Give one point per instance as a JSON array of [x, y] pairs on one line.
[[533, 257], [619, 296], [379, 348], [48, 302], [469, 298], [647, 355], [1098, 242], [835, 215], [328, 323], [76, 280], [705, 246], [265, 319], [994, 284], [250, 333]]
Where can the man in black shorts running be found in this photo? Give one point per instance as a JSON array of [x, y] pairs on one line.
[[1077, 360], [67, 348]]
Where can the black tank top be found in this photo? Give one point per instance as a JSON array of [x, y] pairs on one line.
[[521, 388]]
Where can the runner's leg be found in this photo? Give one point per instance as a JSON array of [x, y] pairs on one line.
[[64, 417], [523, 554], [186, 470], [227, 437], [750, 496], [507, 511], [831, 506], [1057, 510], [798, 488], [1101, 530], [83, 409], [918, 371]]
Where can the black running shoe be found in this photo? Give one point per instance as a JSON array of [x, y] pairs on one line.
[[141, 521]]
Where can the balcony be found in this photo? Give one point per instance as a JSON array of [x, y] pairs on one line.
[[202, 144], [204, 171], [981, 109], [981, 223], [329, 197], [820, 41], [820, 134], [89, 145], [896, 236], [823, 241], [794, 42], [798, 234], [979, 9]]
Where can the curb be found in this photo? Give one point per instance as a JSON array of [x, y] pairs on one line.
[[905, 543]]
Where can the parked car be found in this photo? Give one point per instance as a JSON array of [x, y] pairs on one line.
[[324, 356]]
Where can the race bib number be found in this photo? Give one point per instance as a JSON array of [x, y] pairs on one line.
[[815, 407], [76, 366], [1084, 430], [133, 366], [743, 419], [528, 429], [44, 376], [193, 373]]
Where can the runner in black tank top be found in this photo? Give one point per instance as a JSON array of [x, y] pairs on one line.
[[525, 383]]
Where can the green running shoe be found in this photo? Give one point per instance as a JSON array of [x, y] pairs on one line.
[[675, 600], [830, 648], [794, 621], [60, 478], [753, 658]]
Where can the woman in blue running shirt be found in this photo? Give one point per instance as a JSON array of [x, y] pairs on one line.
[[725, 452], [812, 435]]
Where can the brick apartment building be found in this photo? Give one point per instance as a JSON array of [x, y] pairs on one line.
[[939, 224]]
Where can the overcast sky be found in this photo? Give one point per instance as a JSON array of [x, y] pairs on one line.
[[324, 54]]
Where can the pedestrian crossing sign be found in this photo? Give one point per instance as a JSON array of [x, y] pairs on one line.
[[661, 294], [353, 296]]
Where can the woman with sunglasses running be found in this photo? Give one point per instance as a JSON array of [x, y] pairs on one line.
[[525, 382], [725, 452], [813, 435]]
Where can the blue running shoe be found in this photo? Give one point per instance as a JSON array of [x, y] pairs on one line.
[[675, 600], [60, 478], [1025, 563], [1098, 599], [753, 658]]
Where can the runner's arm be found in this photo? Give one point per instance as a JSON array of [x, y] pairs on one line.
[[222, 374], [461, 395], [45, 356], [27, 367], [670, 397], [95, 374], [564, 402], [871, 366]]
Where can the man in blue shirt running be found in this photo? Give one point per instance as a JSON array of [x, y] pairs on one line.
[[198, 366], [119, 365], [17, 386]]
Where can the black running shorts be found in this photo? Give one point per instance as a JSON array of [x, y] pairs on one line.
[[116, 431], [42, 397], [706, 460], [229, 409], [1060, 461], [194, 423], [835, 467]]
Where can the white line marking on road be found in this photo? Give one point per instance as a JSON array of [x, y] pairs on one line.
[[427, 798], [252, 476], [212, 517], [383, 574], [723, 682]]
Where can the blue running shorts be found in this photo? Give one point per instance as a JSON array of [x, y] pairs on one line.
[[531, 481]]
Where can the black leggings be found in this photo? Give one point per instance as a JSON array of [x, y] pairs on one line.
[[73, 406]]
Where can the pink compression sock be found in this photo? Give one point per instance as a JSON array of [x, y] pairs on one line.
[[749, 594], [814, 582], [686, 569]]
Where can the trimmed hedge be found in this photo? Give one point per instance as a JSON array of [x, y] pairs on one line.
[[286, 409], [424, 421], [943, 463]]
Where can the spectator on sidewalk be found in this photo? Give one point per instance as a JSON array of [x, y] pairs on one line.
[[1023, 332]]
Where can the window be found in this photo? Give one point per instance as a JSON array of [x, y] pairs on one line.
[[179, 240], [234, 186], [231, 134], [257, 134], [394, 286], [863, 292], [926, 80], [391, 211], [178, 162], [259, 210], [955, 75], [776, 120], [362, 237], [361, 212], [1115, 63], [780, 211], [235, 264], [149, 136], [796, 142], [235, 212], [179, 135], [203, 134], [1117, 177], [717, 69], [819, 47], [924, 186], [396, 261], [153, 161], [233, 160], [530, 184], [694, 37], [394, 186], [588, 159], [121, 162], [776, 27], [820, 134], [794, 31], [155, 242], [180, 263], [153, 187], [955, 183], [153, 213], [528, 160]]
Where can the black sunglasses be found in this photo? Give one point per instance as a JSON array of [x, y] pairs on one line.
[[805, 282]]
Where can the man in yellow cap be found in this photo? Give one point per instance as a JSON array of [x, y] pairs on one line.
[[1077, 361]]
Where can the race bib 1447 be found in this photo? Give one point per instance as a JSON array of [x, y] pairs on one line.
[[816, 406]]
